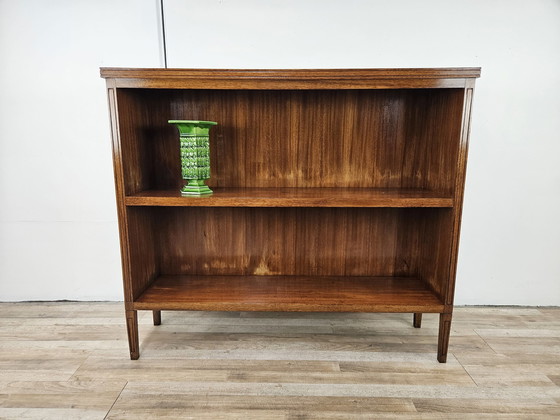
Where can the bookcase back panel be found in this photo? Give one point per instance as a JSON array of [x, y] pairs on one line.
[[272, 241], [296, 241], [317, 138]]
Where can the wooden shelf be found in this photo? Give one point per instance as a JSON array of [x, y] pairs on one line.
[[295, 197], [289, 293]]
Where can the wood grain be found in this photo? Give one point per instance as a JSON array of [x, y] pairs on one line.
[[426, 236], [290, 79], [317, 173], [285, 241], [460, 177], [142, 248], [294, 197], [256, 365], [364, 138], [49, 394], [297, 74], [289, 293]]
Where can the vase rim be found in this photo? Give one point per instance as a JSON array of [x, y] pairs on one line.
[[192, 122]]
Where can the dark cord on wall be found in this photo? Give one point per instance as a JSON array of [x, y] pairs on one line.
[[163, 34]]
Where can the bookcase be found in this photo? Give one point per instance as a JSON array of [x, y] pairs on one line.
[[334, 190]]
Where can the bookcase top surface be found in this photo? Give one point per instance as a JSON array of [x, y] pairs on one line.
[[290, 78]]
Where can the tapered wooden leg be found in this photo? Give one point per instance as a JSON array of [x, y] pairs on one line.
[[443, 338], [417, 320], [132, 329], [157, 317]]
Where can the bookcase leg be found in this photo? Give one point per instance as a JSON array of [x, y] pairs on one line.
[[443, 338], [132, 329], [417, 320], [157, 317]]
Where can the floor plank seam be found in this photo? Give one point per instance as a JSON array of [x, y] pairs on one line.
[[466, 371], [114, 402], [485, 342], [73, 376]]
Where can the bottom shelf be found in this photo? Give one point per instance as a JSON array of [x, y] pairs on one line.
[[289, 293]]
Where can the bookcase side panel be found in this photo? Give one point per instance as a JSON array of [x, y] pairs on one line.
[[118, 173], [424, 246], [144, 249], [433, 134], [459, 191]]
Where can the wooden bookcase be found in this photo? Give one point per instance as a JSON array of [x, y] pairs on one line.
[[334, 190]]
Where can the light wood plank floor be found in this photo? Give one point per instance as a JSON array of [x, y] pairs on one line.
[[70, 361]]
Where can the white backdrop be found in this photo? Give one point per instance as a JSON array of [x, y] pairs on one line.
[[58, 230]]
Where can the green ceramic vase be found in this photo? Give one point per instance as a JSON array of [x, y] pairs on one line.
[[195, 155]]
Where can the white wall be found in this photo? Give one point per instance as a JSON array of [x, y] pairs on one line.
[[58, 228]]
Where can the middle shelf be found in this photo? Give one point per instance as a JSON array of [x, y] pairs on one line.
[[295, 197]]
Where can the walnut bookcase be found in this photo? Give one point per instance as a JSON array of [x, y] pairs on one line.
[[334, 190]]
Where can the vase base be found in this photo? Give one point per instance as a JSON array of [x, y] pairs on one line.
[[197, 192], [196, 187]]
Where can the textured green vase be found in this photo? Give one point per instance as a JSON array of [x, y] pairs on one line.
[[195, 155]]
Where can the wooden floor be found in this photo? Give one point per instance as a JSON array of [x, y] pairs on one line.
[[70, 361]]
